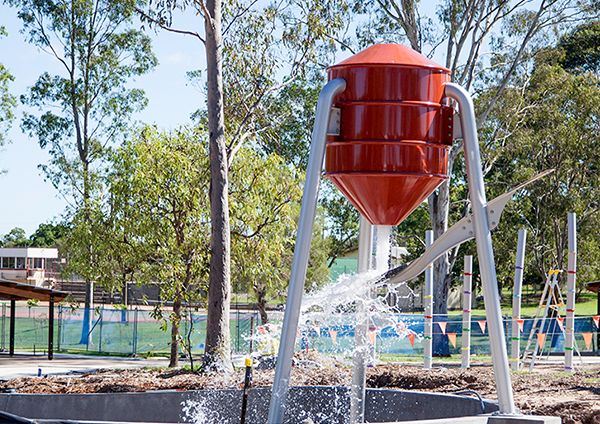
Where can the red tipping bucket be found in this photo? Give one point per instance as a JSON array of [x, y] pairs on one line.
[[392, 150]]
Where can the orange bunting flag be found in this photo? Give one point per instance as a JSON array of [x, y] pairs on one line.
[[521, 322], [317, 328], [560, 321], [587, 338], [411, 337], [333, 335], [372, 338], [452, 338], [482, 325], [262, 330], [597, 321], [442, 325], [541, 338]]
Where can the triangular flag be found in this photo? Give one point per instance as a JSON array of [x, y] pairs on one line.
[[560, 321], [262, 330], [587, 338], [521, 322], [452, 338], [333, 335], [597, 321], [372, 338], [317, 328], [411, 337], [541, 338], [482, 325], [442, 325]]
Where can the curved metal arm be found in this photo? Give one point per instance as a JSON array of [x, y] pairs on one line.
[[459, 233]]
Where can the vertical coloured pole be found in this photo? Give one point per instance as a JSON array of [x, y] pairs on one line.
[[361, 328], [485, 251], [466, 324], [302, 250], [428, 337], [571, 274], [516, 305]]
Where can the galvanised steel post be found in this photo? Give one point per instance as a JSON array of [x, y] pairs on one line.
[[485, 250], [571, 274], [466, 324], [301, 251], [516, 304], [428, 316], [361, 329]]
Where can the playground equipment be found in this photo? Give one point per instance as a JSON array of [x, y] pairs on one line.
[[387, 152]]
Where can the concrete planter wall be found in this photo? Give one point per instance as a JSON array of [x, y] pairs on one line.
[[319, 404]]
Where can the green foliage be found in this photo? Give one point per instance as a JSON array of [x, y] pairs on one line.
[[551, 124], [48, 235], [580, 48], [15, 238], [8, 102], [86, 107]]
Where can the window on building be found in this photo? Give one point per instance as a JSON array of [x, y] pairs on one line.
[[8, 263], [20, 263], [37, 263]]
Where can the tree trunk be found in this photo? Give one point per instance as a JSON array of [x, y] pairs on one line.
[[261, 304], [438, 212], [175, 322], [217, 351]]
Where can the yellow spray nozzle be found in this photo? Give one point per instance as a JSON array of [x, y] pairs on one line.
[[248, 362]]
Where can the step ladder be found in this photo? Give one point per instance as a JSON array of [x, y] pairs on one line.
[[552, 304]]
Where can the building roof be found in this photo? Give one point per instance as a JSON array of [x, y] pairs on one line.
[[21, 291], [29, 252]]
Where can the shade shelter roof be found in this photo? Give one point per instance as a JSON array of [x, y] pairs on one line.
[[594, 286], [20, 291]]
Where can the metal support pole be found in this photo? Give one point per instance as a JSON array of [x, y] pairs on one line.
[[11, 334], [571, 274], [466, 327], [301, 251], [428, 316], [361, 328], [51, 328], [485, 250], [516, 304]]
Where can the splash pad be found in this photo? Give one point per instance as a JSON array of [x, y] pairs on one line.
[[386, 140]]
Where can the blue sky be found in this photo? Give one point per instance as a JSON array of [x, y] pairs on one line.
[[27, 200]]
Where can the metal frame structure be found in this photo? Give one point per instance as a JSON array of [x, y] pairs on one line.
[[480, 229]]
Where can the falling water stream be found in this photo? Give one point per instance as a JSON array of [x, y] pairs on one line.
[[333, 306]]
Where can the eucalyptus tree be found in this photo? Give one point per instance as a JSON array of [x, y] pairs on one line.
[[483, 43], [265, 203], [85, 107], [252, 51], [8, 102], [557, 127], [157, 218]]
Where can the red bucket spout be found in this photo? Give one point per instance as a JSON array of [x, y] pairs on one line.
[[395, 131]]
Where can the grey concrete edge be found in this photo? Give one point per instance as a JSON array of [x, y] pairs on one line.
[[490, 419]]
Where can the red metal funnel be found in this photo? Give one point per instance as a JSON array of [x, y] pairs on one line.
[[392, 151]]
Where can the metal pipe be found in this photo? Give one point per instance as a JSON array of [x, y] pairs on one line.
[[361, 328], [11, 334], [466, 324], [571, 275], [301, 251], [428, 316], [516, 304], [485, 250]]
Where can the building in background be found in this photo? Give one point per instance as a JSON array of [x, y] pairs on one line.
[[30, 265]]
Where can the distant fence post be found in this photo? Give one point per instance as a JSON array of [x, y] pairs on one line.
[[101, 324], [135, 329], [3, 340]]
